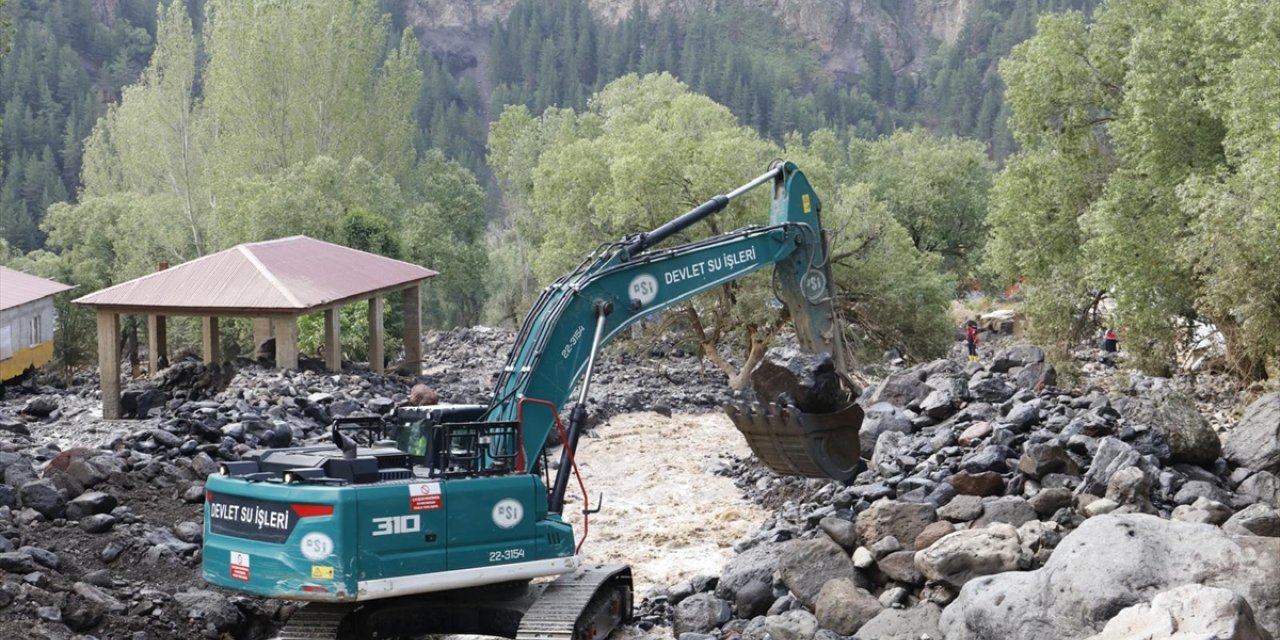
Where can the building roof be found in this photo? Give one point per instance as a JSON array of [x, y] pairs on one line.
[[18, 288], [289, 275]]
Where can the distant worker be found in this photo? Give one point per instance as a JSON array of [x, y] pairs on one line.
[[1109, 345], [971, 339]]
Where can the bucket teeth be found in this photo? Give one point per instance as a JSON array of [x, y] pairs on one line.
[[791, 442]]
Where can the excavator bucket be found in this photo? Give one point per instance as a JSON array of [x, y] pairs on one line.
[[794, 443]]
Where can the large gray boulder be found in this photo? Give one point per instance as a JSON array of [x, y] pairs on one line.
[[843, 607], [1112, 562], [699, 613], [902, 388], [880, 418], [964, 555], [1113, 454], [807, 565], [1189, 611], [1017, 356], [904, 624], [756, 564], [1175, 416], [1255, 440], [790, 376], [902, 520]]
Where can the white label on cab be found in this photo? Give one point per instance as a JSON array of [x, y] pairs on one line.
[[508, 513], [316, 546]]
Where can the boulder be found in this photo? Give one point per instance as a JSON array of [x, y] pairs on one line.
[[216, 611], [933, 533], [843, 607], [1012, 510], [44, 497], [1254, 520], [841, 531], [962, 509], [904, 624], [902, 388], [900, 566], [1189, 611], [990, 388], [40, 406], [1131, 486], [985, 483], [756, 564], [964, 555], [881, 417], [1046, 502], [1036, 375], [807, 565], [1109, 563], [1113, 455], [1016, 356], [699, 613], [796, 624], [1263, 486], [753, 599], [1255, 440], [1043, 458], [902, 520], [1174, 415], [87, 504], [787, 375], [973, 433]]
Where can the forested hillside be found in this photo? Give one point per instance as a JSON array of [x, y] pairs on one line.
[[67, 61], [1124, 166]]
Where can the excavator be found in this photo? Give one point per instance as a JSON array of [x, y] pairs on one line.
[[446, 518]]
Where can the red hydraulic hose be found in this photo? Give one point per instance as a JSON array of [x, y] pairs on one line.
[[564, 437]]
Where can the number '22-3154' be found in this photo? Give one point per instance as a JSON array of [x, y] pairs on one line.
[[506, 554]]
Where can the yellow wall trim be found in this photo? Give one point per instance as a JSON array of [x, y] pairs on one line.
[[36, 356]]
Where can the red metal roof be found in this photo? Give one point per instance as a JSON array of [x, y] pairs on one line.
[[286, 275], [17, 288]]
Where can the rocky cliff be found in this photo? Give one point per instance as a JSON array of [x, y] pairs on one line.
[[840, 29]]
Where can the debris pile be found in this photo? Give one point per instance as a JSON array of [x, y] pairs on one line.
[[983, 481]]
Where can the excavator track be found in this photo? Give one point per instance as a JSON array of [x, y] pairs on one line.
[[584, 605], [316, 621], [587, 604]]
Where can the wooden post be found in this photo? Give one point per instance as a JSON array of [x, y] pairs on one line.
[[413, 327], [157, 343], [261, 333], [109, 363], [376, 335], [210, 326], [333, 339], [286, 332]]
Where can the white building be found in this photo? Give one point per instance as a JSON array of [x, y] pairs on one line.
[[26, 321]]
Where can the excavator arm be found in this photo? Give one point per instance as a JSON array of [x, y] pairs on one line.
[[626, 282]]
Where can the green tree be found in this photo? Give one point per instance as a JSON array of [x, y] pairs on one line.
[[935, 187]]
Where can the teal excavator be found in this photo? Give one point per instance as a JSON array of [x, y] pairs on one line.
[[446, 519]]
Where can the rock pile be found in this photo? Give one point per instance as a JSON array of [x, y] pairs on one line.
[[997, 505]]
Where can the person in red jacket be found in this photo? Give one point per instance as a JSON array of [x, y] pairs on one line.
[[1110, 343], [971, 339]]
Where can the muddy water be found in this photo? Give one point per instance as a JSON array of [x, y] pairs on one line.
[[664, 514]]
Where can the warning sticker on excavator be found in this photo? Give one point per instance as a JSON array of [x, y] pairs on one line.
[[425, 496], [239, 565], [320, 572], [805, 203]]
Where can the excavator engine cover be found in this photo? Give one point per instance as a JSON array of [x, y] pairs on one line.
[[794, 443]]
